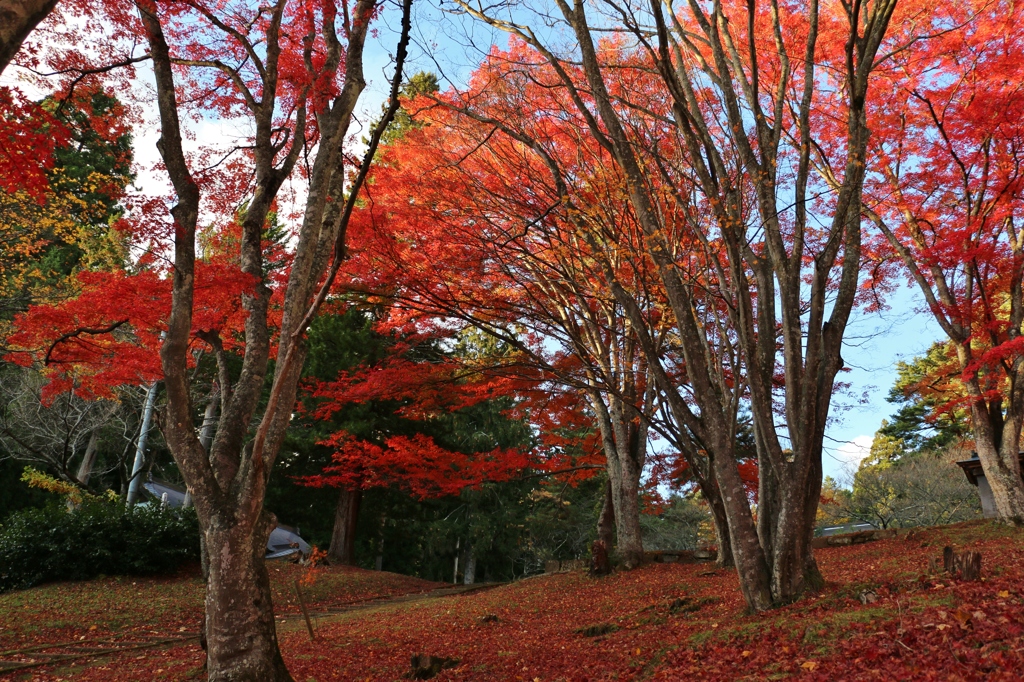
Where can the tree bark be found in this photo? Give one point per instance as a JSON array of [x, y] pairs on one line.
[[17, 19], [629, 547], [720, 523], [606, 521], [748, 554], [624, 447], [89, 458], [346, 518], [1000, 460], [240, 632]]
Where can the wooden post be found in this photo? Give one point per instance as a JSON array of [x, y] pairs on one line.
[[948, 559], [305, 613], [966, 566]]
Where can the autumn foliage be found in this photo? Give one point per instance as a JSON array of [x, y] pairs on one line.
[[663, 228], [946, 193], [420, 392]]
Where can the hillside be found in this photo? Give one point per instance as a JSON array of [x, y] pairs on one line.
[[881, 616]]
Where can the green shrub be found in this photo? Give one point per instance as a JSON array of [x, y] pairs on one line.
[[96, 537]]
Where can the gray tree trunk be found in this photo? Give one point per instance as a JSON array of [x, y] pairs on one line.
[[606, 521], [720, 524], [624, 444], [240, 633], [998, 449], [89, 458], [629, 546]]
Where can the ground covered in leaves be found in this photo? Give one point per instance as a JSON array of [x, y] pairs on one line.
[[882, 616], [115, 610]]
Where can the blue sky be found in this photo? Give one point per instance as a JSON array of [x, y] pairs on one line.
[[874, 343]]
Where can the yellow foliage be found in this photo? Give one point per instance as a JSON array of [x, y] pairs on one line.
[[37, 479], [28, 227]]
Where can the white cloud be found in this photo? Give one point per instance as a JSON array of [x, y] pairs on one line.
[[853, 451]]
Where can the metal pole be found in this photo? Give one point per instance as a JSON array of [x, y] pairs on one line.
[[140, 451]]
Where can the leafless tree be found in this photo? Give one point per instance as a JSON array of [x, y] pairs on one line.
[[64, 436]]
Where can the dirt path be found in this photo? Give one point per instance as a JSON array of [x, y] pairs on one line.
[[295, 621]]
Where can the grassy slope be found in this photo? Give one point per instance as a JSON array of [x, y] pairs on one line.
[[921, 627]]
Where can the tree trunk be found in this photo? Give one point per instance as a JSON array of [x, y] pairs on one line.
[[624, 449], [469, 574], [626, 503], [768, 502], [229, 481], [1000, 460], [1002, 470], [17, 19], [240, 631], [813, 579], [788, 555], [747, 553], [720, 524], [606, 521], [89, 458], [343, 539]]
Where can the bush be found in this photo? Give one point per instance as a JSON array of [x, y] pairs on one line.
[[918, 489], [96, 537]]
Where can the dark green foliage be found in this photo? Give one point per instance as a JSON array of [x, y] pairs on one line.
[[421, 83], [676, 527], [510, 528], [337, 343], [923, 388], [16, 495], [97, 537]]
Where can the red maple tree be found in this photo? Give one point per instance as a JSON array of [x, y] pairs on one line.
[[947, 191], [289, 75]]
